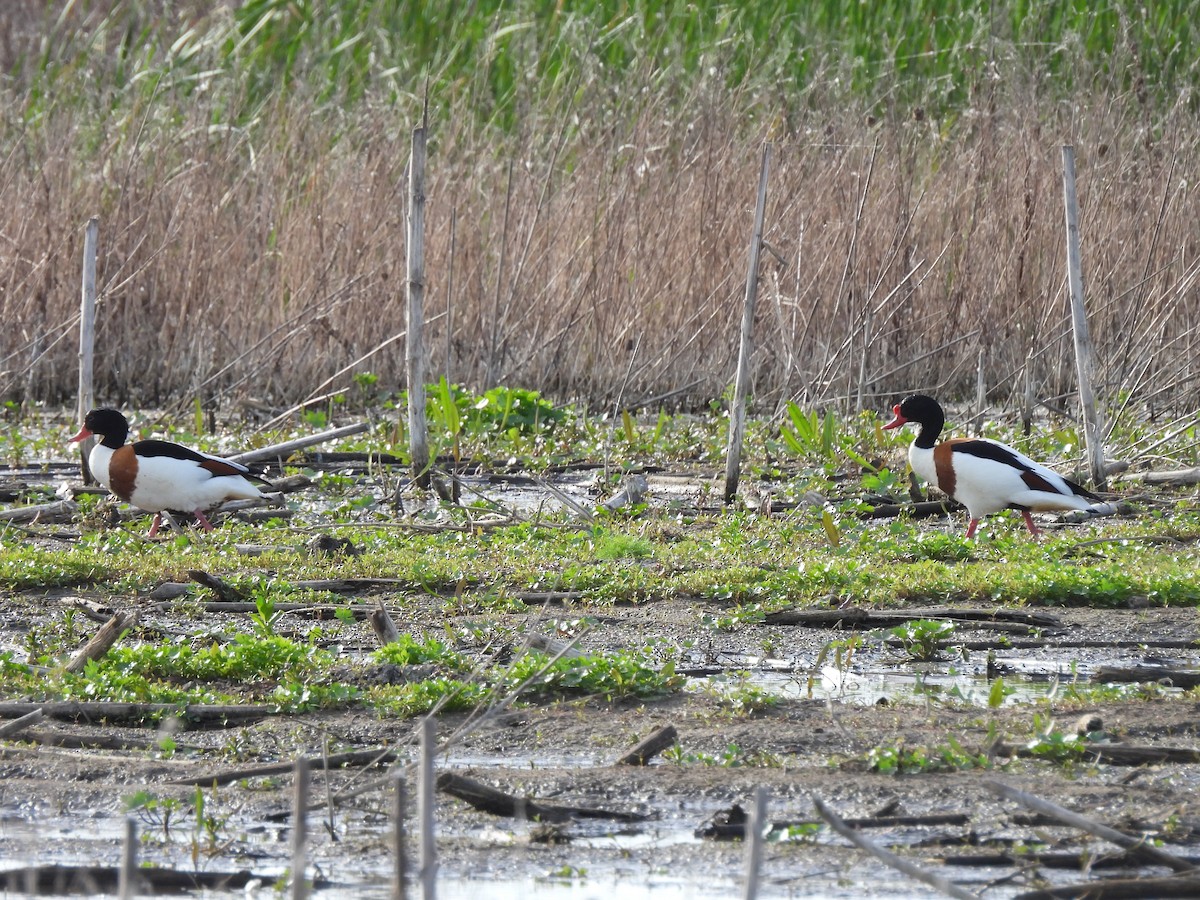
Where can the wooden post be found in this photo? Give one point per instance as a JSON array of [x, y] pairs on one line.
[[299, 829], [87, 339], [127, 878], [1093, 431], [400, 872], [741, 386], [418, 440], [1029, 397], [755, 822], [425, 808], [450, 293]]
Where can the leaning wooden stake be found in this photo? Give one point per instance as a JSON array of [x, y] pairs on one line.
[[300, 829], [755, 821], [649, 747], [741, 385], [425, 808], [418, 439], [382, 624], [87, 337], [1093, 430]]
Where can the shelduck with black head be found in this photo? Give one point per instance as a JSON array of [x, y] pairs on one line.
[[157, 475], [983, 475]]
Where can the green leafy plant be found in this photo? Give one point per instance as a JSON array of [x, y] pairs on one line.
[[897, 759], [923, 639]]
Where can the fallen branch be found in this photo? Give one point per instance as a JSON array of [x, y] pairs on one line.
[[95, 710], [733, 828], [53, 738], [1117, 754], [58, 511], [16, 726], [858, 618], [287, 447], [923, 510], [887, 857], [1120, 889], [59, 880], [352, 758], [1181, 678], [1136, 846], [491, 800], [1176, 477]]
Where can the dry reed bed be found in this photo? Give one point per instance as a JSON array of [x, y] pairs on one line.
[[605, 260]]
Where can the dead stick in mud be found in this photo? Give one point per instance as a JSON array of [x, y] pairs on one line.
[[649, 747], [221, 588], [57, 511], [101, 641], [353, 758], [16, 726], [382, 624], [1136, 846], [1120, 889], [209, 713], [492, 800], [886, 856]]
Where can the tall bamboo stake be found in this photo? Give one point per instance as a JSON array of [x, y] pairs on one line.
[[741, 386], [755, 822], [299, 829], [127, 878], [87, 338], [418, 439], [400, 872], [425, 808], [1093, 432]]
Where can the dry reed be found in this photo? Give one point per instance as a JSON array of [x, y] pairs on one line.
[[604, 256]]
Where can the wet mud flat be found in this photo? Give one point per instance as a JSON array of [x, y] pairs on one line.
[[64, 787], [217, 809]]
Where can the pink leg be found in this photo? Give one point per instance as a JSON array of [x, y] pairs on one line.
[[971, 528], [203, 519], [155, 525], [1033, 529]]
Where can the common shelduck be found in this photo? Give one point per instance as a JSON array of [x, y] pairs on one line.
[[983, 475], [160, 475]]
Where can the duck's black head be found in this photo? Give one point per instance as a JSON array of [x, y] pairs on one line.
[[108, 424], [922, 410]]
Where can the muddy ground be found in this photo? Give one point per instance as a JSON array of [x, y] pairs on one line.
[[61, 805]]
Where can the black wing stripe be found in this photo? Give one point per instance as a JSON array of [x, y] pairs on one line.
[[153, 447]]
